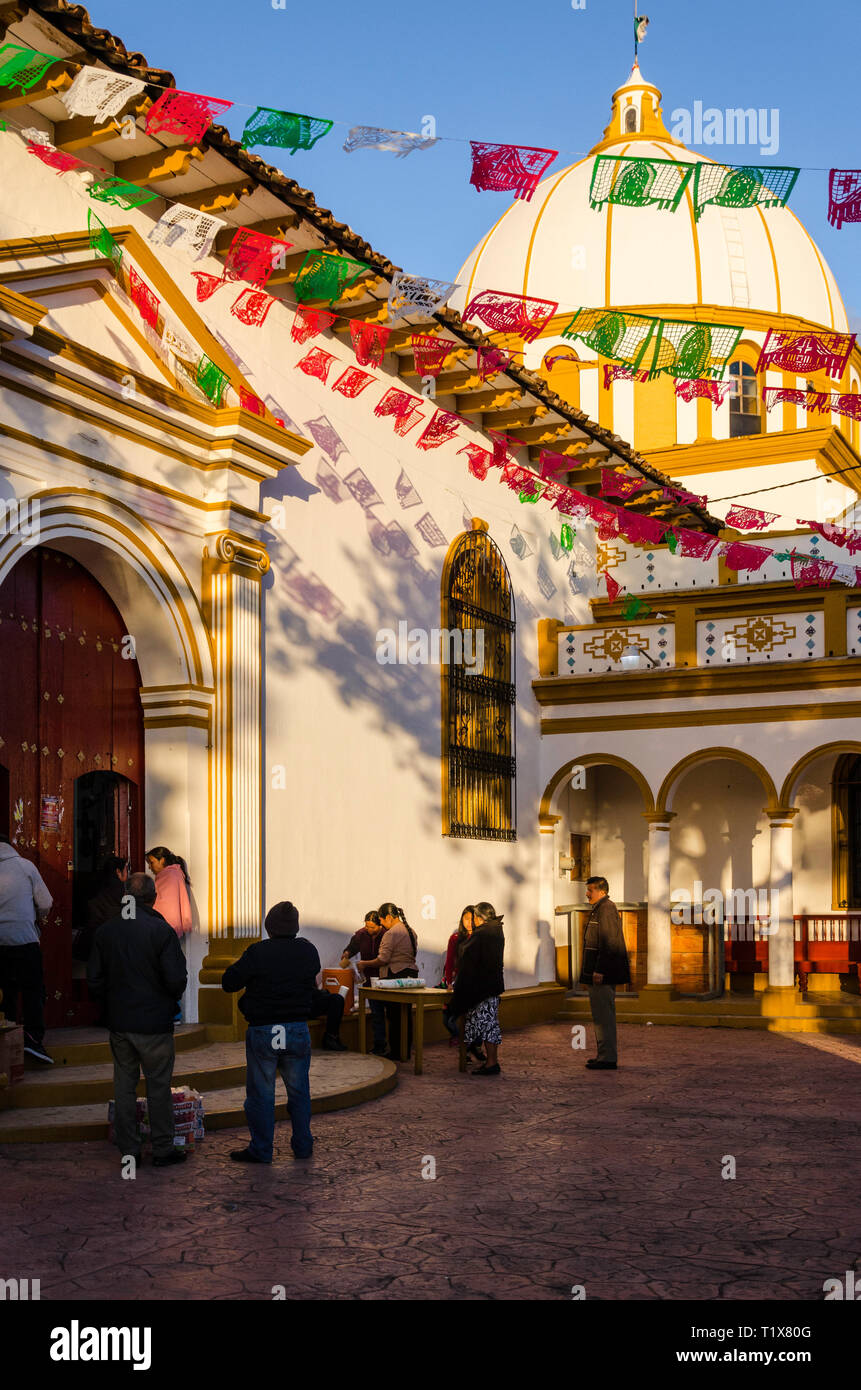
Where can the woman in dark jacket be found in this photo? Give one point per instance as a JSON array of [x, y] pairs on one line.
[[453, 957], [104, 905], [479, 984]]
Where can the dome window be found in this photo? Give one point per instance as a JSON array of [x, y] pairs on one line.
[[744, 417], [631, 121]]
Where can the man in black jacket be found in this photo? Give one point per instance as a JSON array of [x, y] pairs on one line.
[[605, 965], [279, 977], [136, 967]]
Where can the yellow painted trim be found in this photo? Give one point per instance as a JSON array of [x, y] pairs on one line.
[[481, 251], [826, 446], [774, 264], [710, 755], [757, 319], [818, 255], [179, 721], [787, 791], [684, 683], [105, 526], [694, 232], [21, 306], [94, 465], [559, 179], [593, 760], [765, 714], [26, 248], [608, 242]]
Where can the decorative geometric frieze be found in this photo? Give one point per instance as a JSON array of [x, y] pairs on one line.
[[762, 633], [608, 556], [760, 638]]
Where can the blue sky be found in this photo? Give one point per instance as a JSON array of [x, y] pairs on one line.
[[534, 75]]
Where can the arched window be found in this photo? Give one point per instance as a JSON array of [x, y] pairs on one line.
[[631, 121], [479, 801], [744, 415], [846, 842]]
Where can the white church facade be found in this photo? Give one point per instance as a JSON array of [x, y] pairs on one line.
[[245, 543]]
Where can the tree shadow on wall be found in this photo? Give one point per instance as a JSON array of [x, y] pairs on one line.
[[340, 638]]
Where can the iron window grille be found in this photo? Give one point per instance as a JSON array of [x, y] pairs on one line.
[[480, 800]]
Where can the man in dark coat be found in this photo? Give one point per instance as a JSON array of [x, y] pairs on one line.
[[605, 965], [137, 968], [279, 977]]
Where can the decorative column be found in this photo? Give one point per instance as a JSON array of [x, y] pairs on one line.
[[548, 946], [660, 940], [233, 569], [177, 741], [781, 936]]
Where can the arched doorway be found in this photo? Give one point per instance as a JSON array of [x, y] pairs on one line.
[[719, 868], [592, 815], [71, 726]]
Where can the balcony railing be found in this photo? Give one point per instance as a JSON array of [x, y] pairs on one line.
[[656, 572], [805, 627]]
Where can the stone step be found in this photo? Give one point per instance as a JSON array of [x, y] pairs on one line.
[[338, 1080], [72, 1047], [208, 1068], [726, 1013]]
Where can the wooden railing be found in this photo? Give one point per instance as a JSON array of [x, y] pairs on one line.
[[825, 943]]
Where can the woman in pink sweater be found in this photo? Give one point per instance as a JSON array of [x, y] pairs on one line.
[[171, 888]]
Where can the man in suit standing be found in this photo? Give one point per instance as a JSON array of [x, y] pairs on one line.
[[137, 968], [605, 965]]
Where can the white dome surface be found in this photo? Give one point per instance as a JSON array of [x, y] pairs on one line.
[[558, 247]]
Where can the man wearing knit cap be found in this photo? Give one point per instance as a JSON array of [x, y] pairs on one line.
[[279, 977]]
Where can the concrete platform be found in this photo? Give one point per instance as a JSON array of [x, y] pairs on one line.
[[82, 1046], [775, 1010], [49, 1115]]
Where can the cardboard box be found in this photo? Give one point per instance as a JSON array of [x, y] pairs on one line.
[[12, 1052]]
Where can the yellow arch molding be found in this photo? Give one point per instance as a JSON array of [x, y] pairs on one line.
[[77, 512], [841, 746], [593, 760], [710, 755]]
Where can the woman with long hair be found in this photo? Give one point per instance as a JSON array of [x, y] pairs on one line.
[[479, 984], [365, 943], [453, 957], [397, 960], [172, 883], [456, 943]]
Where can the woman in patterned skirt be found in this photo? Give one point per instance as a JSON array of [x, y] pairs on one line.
[[479, 984]]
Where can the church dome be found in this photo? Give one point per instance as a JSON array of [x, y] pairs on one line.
[[557, 247]]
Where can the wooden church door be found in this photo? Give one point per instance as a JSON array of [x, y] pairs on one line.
[[71, 749]]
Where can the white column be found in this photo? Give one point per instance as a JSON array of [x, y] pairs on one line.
[[547, 881], [660, 953], [177, 731], [781, 938], [235, 567]]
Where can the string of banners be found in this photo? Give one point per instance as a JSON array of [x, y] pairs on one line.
[[694, 352], [644, 346], [629, 181], [611, 522], [250, 259]]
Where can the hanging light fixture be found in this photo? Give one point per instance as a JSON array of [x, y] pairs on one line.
[[631, 658]]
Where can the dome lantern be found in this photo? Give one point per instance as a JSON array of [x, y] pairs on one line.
[[636, 114]]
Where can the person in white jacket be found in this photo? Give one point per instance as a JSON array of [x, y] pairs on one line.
[[24, 900]]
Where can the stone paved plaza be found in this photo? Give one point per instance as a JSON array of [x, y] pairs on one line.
[[547, 1177]]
